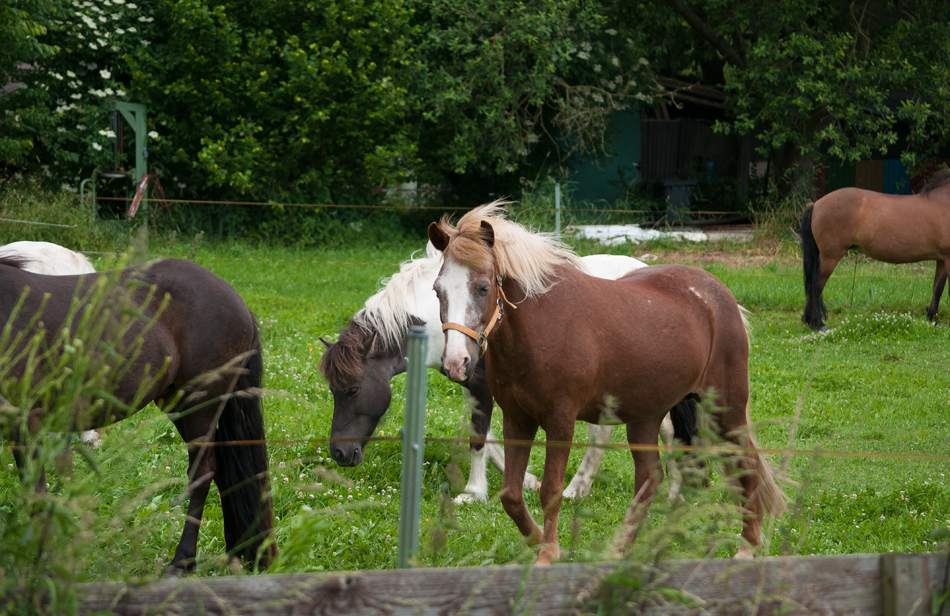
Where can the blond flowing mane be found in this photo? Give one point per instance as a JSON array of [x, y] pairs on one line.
[[387, 312], [528, 257]]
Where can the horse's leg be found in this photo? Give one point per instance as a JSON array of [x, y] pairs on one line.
[[516, 463], [556, 454], [648, 474], [19, 456], [826, 266], [940, 281], [676, 477], [195, 428], [584, 477], [477, 487]]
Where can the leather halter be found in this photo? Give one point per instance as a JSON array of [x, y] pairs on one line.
[[481, 338]]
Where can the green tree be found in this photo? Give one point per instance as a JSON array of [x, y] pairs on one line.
[[818, 79], [22, 26]]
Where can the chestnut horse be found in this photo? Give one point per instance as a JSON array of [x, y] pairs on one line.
[[562, 346], [372, 350], [889, 228], [193, 349]]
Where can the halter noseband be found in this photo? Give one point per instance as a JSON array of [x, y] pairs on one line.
[[481, 338]]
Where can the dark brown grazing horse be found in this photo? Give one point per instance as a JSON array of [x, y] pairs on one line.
[[563, 346], [889, 228], [207, 339]]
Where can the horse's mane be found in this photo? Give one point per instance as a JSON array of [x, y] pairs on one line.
[[527, 257], [15, 260], [383, 322], [941, 178]]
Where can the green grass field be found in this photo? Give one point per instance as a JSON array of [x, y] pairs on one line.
[[875, 385]]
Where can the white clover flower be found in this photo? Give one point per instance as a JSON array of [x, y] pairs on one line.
[[96, 147], [70, 74], [152, 134], [105, 73]]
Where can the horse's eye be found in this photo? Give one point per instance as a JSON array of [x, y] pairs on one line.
[[483, 290], [352, 391]]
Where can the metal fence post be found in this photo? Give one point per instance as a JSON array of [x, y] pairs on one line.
[[413, 431], [557, 210]]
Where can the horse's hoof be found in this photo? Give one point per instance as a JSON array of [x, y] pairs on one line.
[[471, 497], [745, 552], [178, 568]]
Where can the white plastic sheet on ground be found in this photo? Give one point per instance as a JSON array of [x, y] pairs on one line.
[[611, 235]]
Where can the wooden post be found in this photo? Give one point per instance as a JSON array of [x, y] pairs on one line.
[[905, 581]]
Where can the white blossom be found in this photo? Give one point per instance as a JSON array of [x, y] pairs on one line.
[[96, 147], [76, 96], [105, 73], [60, 130], [80, 127], [107, 133], [70, 74], [152, 134]]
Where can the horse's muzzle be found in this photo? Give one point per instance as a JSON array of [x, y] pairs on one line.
[[347, 454]]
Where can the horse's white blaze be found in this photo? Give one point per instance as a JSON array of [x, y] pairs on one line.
[[459, 309]]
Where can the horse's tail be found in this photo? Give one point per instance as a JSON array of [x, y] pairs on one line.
[[685, 425], [241, 472], [768, 496], [810, 256]]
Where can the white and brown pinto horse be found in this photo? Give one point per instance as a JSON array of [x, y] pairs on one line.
[[562, 346], [371, 350]]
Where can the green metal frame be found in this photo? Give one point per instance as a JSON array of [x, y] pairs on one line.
[[134, 114]]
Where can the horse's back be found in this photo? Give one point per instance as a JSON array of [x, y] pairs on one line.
[[48, 258], [205, 316], [890, 228]]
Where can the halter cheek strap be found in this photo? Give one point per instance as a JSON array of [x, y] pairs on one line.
[[481, 338]]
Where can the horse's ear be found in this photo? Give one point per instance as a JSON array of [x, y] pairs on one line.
[[488, 234], [368, 345], [325, 343], [438, 237]]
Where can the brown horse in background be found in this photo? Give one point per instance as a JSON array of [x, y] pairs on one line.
[[562, 346], [889, 228]]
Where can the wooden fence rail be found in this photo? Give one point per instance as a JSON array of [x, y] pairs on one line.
[[887, 584]]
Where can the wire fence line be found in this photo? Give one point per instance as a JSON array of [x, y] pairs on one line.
[[715, 449], [401, 207]]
